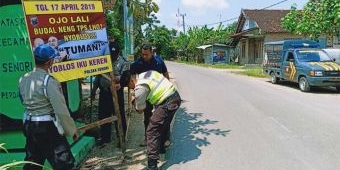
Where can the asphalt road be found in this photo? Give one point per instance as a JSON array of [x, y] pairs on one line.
[[236, 122]]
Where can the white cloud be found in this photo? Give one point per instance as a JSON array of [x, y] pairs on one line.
[[158, 2], [206, 4]]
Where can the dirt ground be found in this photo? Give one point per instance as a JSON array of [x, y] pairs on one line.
[[109, 156]]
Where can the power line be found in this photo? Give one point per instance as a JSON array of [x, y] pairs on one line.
[[231, 19], [274, 4]]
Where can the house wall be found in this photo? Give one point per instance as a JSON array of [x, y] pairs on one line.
[[336, 41], [259, 50], [244, 50], [281, 37], [208, 54], [252, 50], [329, 41], [222, 49]]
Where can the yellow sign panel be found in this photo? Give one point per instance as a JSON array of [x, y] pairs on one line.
[[81, 68], [64, 7]]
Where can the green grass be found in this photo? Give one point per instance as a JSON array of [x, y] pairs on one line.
[[219, 66], [16, 164], [254, 72]]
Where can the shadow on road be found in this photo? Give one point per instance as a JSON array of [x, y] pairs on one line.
[[316, 90], [185, 141]]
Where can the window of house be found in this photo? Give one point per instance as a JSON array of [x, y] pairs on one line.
[[258, 48], [243, 50]]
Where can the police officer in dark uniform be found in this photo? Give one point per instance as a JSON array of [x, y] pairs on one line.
[[103, 82], [105, 105], [148, 62], [46, 118]]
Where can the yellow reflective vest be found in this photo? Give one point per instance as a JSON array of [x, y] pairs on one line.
[[160, 87]]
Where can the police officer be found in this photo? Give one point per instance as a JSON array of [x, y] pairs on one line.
[[149, 61], [103, 82], [46, 119], [153, 87], [105, 105]]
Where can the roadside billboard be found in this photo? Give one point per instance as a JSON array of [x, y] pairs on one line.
[[15, 57], [77, 32]]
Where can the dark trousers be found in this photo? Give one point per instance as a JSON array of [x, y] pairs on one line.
[[121, 101], [159, 123], [147, 115], [105, 110], [44, 142]]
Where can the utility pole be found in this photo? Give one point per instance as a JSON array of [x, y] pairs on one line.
[[183, 21], [183, 15]]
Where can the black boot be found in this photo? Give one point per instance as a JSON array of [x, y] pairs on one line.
[[152, 164]]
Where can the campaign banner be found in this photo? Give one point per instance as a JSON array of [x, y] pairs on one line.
[[77, 32]]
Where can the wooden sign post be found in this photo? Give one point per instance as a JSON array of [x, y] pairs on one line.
[[117, 112]]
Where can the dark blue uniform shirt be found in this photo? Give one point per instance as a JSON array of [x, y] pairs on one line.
[[156, 63]]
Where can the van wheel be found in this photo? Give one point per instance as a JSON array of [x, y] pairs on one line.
[[304, 85], [273, 78]]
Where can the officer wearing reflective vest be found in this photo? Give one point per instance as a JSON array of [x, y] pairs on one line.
[[46, 118], [149, 61], [159, 91]]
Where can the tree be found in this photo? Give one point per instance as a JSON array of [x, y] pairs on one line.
[[142, 13], [180, 45], [318, 17], [160, 37], [198, 36], [292, 19], [115, 26], [140, 38]]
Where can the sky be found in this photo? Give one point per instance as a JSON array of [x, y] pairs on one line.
[[200, 12]]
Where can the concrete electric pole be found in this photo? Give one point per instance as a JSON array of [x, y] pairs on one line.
[[183, 20]]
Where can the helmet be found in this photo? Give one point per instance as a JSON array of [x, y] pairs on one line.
[[44, 53]]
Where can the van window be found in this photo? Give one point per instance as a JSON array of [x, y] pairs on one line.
[[290, 56], [312, 56]]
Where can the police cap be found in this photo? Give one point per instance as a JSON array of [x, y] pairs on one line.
[[44, 53]]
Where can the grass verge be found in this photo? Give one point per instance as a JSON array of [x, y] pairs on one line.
[[218, 66], [254, 72]]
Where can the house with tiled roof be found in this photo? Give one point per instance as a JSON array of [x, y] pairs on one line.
[[254, 28]]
